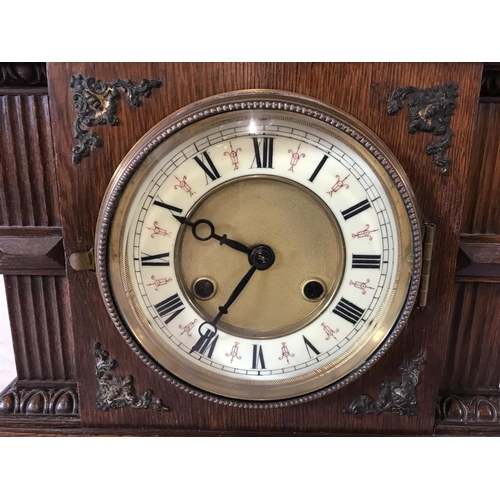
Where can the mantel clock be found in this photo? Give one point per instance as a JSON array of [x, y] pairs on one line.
[[247, 248]]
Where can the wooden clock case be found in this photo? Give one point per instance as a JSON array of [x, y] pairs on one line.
[[63, 135]]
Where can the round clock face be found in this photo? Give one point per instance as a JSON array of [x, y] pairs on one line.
[[259, 246]]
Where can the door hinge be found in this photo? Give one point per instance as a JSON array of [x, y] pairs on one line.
[[428, 247]]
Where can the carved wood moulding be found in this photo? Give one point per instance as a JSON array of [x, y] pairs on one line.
[[117, 392], [41, 326], [478, 258], [490, 83], [469, 410], [28, 185], [23, 78], [430, 111], [96, 103], [399, 398], [56, 400], [31, 250]]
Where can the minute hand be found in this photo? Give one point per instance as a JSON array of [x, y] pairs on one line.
[[224, 240], [239, 288]]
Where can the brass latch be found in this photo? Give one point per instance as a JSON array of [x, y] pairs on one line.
[[82, 261], [428, 246]]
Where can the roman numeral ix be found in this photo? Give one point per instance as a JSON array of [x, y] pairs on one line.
[[349, 311]]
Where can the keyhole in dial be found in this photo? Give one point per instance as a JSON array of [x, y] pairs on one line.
[[313, 290], [204, 288]]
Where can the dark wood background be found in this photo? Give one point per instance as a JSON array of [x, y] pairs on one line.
[[56, 313]]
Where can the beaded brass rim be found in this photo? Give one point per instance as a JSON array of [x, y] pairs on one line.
[[355, 133]]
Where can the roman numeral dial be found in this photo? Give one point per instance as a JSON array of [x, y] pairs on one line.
[[270, 184]]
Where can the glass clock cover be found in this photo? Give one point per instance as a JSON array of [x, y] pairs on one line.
[[259, 246]]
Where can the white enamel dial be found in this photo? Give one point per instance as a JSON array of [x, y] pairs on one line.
[[209, 205]]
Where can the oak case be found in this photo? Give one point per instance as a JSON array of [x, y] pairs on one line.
[[81, 189]]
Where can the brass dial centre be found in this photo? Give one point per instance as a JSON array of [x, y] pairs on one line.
[[265, 214]]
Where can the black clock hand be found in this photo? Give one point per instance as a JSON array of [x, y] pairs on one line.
[[208, 331], [261, 257], [239, 288], [224, 240]]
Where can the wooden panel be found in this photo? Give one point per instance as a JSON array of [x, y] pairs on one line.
[[41, 327], [365, 96], [28, 187], [473, 354], [482, 208]]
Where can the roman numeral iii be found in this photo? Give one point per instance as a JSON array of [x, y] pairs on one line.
[[366, 261], [349, 311]]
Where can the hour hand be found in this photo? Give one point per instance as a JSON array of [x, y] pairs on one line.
[[204, 230]]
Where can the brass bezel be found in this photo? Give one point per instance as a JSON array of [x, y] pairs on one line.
[[344, 369]]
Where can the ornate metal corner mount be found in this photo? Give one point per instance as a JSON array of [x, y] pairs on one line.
[[117, 392], [396, 397], [430, 111], [96, 103]]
